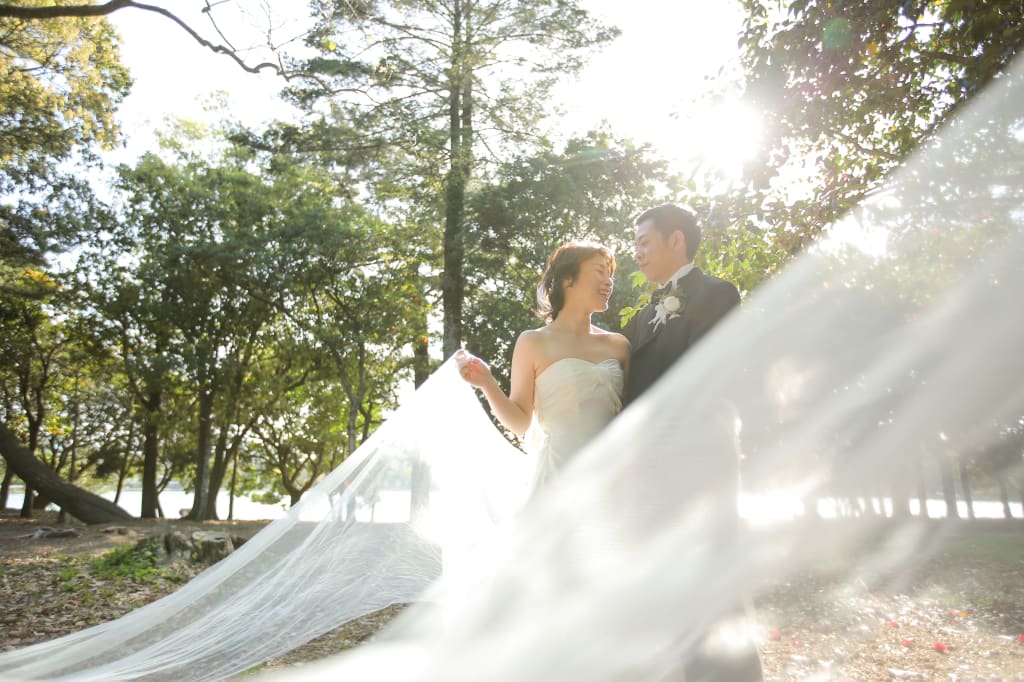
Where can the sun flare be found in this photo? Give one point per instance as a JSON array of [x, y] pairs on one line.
[[722, 136]]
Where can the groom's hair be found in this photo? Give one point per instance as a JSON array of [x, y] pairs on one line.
[[564, 264], [669, 218]]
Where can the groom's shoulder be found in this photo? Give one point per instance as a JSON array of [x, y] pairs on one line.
[[717, 282], [714, 280], [720, 290]]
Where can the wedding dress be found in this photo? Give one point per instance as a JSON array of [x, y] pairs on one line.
[[574, 399]]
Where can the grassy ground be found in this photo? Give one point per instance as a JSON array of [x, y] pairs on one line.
[[955, 613]]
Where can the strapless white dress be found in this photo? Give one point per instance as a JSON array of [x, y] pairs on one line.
[[573, 400]]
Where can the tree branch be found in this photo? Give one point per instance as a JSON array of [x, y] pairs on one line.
[[56, 11], [104, 9]]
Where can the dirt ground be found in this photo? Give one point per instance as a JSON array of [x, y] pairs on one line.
[[958, 616]]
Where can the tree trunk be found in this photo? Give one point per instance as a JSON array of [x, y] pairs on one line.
[[421, 353], [901, 488], [150, 454], [81, 504], [203, 448], [5, 487], [900, 505], [227, 447], [1004, 496], [217, 471], [460, 113], [234, 483], [965, 484], [948, 487], [922, 485], [28, 500], [122, 475], [355, 400]]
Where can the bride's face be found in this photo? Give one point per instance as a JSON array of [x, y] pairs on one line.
[[593, 286]]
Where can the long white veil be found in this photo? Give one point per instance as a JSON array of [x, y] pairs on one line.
[[433, 481], [897, 339]]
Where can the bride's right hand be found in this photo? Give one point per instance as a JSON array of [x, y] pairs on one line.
[[474, 370]]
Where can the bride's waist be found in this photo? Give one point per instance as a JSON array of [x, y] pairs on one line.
[[541, 433]]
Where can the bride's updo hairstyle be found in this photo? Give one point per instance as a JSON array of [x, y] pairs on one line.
[[564, 264]]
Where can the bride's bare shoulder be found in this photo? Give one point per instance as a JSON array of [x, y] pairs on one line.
[[531, 338], [533, 335]]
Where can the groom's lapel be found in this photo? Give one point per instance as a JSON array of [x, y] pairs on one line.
[[690, 286], [645, 331]]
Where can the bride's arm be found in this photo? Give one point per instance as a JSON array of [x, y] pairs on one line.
[[515, 410]]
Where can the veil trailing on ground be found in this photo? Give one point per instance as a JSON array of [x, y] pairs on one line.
[[433, 481], [885, 349], [883, 352]]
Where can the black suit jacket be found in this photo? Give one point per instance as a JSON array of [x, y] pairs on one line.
[[707, 300]]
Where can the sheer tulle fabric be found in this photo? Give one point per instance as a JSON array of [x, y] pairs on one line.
[[433, 481], [899, 336], [902, 333]]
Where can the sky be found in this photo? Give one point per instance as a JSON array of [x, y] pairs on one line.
[[643, 84]]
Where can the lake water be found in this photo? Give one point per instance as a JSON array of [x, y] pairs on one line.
[[394, 507], [172, 501]]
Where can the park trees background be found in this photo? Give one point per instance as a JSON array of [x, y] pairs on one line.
[[241, 307]]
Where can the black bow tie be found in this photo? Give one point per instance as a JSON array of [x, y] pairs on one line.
[[660, 292]]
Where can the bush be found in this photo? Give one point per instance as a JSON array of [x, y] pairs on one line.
[[128, 562]]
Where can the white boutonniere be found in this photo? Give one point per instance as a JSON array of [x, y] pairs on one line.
[[669, 307]]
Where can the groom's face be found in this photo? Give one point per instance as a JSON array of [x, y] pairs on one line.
[[657, 255]]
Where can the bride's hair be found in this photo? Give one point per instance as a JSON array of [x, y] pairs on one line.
[[564, 264]]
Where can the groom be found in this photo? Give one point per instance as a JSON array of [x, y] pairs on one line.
[[687, 304]]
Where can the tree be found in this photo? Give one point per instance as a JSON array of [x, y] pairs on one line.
[[356, 300], [29, 357], [444, 82], [847, 91], [60, 82], [81, 504], [303, 440], [59, 85], [127, 312], [244, 275], [205, 227]]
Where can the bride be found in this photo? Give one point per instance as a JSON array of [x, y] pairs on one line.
[[567, 376]]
